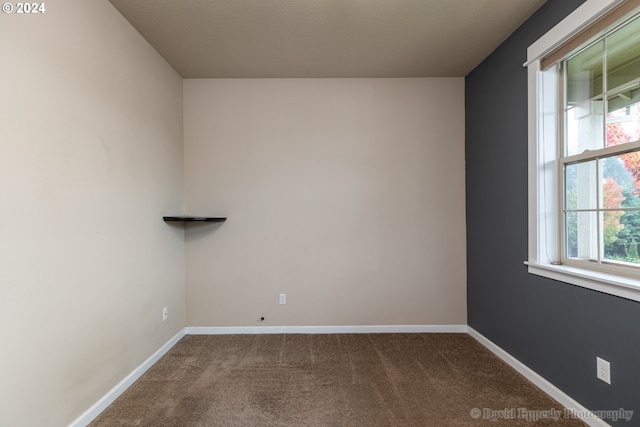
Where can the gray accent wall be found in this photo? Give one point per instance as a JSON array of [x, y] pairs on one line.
[[554, 328]]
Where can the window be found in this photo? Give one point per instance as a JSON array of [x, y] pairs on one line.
[[600, 159], [584, 149]]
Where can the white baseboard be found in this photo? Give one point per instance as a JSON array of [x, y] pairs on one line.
[[554, 392], [355, 329], [95, 410]]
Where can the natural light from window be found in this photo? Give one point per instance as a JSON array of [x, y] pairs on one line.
[[584, 150], [601, 114]]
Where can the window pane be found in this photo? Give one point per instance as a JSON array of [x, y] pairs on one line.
[[580, 186], [584, 75], [619, 237], [611, 226], [623, 119], [623, 55], [584, 104], [629, 236], [621, 189], [585, 127], [581, 235], [620, 186], [615, 177]]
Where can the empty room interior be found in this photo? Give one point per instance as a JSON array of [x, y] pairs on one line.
[[306, 175]]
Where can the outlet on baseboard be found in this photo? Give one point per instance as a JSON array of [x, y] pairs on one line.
[[283, 298], [603, 371], [165, 313]]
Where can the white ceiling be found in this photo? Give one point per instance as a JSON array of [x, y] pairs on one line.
[[325, 38]]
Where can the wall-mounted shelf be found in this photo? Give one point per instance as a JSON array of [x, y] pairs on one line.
[[193, 219]]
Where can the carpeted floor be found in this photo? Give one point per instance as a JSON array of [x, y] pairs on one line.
[[332, 380]]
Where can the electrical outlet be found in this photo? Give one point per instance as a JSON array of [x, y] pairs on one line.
[[603, 370], [283, 298], [165, 314]]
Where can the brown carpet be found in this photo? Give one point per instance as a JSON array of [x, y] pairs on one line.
[[331, 380]]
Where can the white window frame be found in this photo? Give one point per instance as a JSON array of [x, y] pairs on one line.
[[544, 200]]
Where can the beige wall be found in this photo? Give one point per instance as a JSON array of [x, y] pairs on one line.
[[346, 194], [90, 160]]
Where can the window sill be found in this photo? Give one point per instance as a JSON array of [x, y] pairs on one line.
[[625, 287]]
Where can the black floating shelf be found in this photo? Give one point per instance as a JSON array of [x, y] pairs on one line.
[[192, 219]]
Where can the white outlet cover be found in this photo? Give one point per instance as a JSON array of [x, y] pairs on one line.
[[283, 298], [603, 370]]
